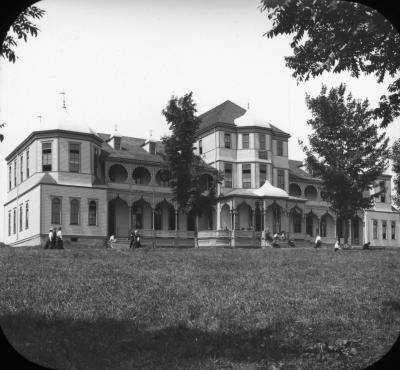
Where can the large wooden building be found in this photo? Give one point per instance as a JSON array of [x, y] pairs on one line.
[[94, 185]]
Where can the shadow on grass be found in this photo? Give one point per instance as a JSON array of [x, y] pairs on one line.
[[108, 343]]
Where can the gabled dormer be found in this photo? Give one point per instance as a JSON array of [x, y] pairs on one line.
[[115, 140]]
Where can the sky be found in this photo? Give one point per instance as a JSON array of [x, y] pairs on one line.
[[120, 61]]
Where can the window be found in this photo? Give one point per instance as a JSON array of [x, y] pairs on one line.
[[9, 223], [56, 211], [375, 229], [117, 143], [92, 213], [74, 216], [95, 160], [262, 154], [279, 148], [263, 173], [74, 157], [227, 140], [262, 141], [323, 227], [383, 197], [245, 141], [27, 163], [21, 168], [246, 176], [27, 215], [21, 217], [384, 231], [228, 175], [46, 157], [296, 222], [14, 220], [152, 147], [15, 173], [200, 147], [281, 179], [9, 178], [393, 230]]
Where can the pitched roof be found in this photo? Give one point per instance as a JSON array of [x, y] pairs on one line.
[[47, 179], [296, 172], [223, 113]]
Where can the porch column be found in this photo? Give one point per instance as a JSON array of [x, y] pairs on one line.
[[176, 228], [253, 218], [350, 240], [218, 216], [334, 228], [264, 212], [318, 231], [152, 227], [233, 232], [130, 218], [304, 224]]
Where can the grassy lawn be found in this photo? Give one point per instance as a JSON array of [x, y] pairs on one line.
[[191, 308]]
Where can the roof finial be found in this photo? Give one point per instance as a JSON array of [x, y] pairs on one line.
[[63, 94], [115, 128], [151, 134], [40, 117], [248, 105]]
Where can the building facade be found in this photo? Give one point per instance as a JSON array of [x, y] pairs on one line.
[[94, 185]]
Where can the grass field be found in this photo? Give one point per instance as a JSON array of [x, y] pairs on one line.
[[192, 308]]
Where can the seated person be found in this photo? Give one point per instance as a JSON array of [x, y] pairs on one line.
[[366, 245], [318, 242], [112, 241]]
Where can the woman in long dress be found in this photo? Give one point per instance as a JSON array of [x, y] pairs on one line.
[[59, 241]]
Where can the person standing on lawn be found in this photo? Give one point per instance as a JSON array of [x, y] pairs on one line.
[[137, 239], [337, 245], [132, 239], [59, 241], [49, 239], [53, 239]]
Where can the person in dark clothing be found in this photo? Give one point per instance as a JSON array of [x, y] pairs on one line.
[[59, 241], [137, 239], [49, 239], [366, 245], [132, 240], [54, 239]]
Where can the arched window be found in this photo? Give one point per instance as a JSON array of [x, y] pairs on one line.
[[297, 222], [277, 220], [323, 227], [294, 190], [157, 217], [310, 192], [74, 212], [92, 213], [56, 211]]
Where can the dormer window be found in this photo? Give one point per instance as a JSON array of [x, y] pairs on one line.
[[117, 143], [152, 147]]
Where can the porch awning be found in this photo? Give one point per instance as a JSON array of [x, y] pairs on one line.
[[265, 191]]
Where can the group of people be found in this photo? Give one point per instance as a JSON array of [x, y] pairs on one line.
[[54, 240], [134, 240]]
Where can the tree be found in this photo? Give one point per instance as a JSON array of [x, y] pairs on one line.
[[186, 167], [339, 36], [21, 28], [346, 151], [395, 157]]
